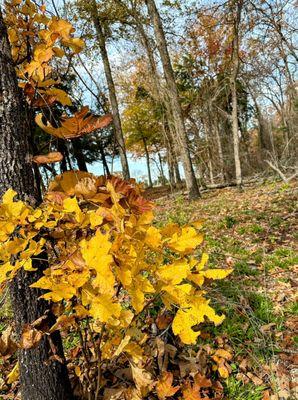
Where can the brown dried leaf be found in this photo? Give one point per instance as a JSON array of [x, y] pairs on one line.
[[164, 386], [30, 337], [7, 345], [49, 158], [80, 124]]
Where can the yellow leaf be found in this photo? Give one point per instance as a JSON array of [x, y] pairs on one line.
[[97, 257], [60, 96], [216, 273], [224, 354], [4, 270], [59, 291], [76, 44], [177, 294], [14, 374], [134, 351], [182, 326], [193, 314], [146, 218], [139, 287], [153, 237], [104, 308], [61, 27], [81, 311], [174, 273], [186, 241], [203, 262], [58, 52], [223, 371], [71, 205], [197, 224], [67, 181], [169, 230], [198, 279]]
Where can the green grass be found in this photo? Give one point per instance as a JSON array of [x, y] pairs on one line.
[[292, 308], [236, 390], [281, 258]]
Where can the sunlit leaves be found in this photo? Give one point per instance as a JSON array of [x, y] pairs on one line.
[[73, 127], [108, 264], [36, 40], [186, 240], [191, 314]]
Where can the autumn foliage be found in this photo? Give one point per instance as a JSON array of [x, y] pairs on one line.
[[108, 263], [109, 267]]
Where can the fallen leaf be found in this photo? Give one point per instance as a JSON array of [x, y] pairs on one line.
[[164, 386]]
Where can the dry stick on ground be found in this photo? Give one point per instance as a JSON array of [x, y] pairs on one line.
[[280, 173]]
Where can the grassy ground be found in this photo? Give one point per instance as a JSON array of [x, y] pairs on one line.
[[253, 230]]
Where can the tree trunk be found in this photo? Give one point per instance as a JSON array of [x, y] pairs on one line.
[[233, 85], [78, 155], [104, 160], [191, 182], [111, 87], [163, 179], [41, 378], [220, 152], [61, 147], [156, 91], [177, 172], [148, 162]]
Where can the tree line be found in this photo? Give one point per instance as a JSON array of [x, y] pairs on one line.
[[216, 94]]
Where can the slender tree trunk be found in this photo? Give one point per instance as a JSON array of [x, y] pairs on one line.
[[61, 147], [220, 152], [156, 86], [169, 156], [148, 162], [191, 182], [111, 87], [163, 178], [177, 172], [41, 378], [233, 85], [78, 155], [104, 160]]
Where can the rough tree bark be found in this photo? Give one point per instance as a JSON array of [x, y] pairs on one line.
[[111, 88], [41, 378], [191, 182]]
